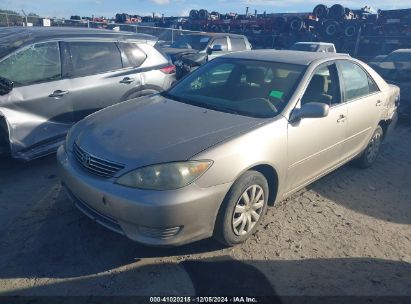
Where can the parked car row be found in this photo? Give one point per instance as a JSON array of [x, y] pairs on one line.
[[53, 77], [190, 51], [171, 164]]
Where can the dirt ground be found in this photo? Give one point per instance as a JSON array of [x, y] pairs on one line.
[[348, 234]]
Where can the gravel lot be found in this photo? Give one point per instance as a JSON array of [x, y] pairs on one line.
[[348, 234]]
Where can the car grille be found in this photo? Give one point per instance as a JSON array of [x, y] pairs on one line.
[[95, 164], [159, 233], [100, 218]]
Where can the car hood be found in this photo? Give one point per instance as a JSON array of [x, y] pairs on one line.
[[154, 129], [176, 53]]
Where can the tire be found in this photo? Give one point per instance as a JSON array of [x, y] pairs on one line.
[[296, 24], [194, 14], [203, 14], [331, 28], [4, 143], [337, 11], [350, 30], [320, 11], [370, 154], [280, 24], [229, 229]]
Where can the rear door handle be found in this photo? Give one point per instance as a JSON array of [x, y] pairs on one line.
[[379, 103], [342, 118], [127, 80], [58, 93]]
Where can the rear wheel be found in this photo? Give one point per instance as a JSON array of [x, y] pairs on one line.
[[242, 209], [370, 154]]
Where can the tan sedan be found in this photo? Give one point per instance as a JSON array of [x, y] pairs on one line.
[[209, 155]]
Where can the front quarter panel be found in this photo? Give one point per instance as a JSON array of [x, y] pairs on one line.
[[265, 145]]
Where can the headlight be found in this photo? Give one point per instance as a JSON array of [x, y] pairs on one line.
[[168, 176]]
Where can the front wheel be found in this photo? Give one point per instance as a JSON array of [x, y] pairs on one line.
[[242, 209], [370, 154]]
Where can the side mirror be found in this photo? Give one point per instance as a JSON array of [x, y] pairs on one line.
[[6, 86], [215, 48], [311, 110]]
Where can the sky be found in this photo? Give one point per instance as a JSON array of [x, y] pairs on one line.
[[108, 8]]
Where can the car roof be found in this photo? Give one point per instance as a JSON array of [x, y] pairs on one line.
[[316, 43], [286, 56], [12, 38], [402, 51], [216, 34]]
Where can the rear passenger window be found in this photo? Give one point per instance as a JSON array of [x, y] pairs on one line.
[[134, 56], [238, 44], [373, 86], [356, 81], [90, 58]]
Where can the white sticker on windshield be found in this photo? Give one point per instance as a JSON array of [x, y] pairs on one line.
[[204, 40]]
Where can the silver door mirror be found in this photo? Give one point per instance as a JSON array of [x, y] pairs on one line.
[[217, 48], [311, 110]]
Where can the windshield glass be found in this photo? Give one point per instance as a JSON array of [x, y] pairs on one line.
[[245, 87], [196, 42], [304, 47]]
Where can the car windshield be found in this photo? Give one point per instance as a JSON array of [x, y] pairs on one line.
[[304, 47], [196, 42], [245, 87]]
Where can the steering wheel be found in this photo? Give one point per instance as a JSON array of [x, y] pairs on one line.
[[265, 100], [276, 100]]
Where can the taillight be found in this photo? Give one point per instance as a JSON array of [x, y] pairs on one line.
[[171, 69]]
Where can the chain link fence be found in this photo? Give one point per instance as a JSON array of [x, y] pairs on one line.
[[166, 36]]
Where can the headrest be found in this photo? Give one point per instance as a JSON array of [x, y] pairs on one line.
[[255, 75], [318, 84]]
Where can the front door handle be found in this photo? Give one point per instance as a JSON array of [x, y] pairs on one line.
[[58, 93], [379, 103], [342, 118], [127, 80]]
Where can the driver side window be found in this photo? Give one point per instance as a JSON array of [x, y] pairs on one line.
[[323, 87], [35, 64]]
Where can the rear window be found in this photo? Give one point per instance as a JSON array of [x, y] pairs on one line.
[[134, 56], [238, 44], [304, 47], [90, 58]]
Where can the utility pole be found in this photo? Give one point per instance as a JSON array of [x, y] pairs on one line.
[[25, 16]]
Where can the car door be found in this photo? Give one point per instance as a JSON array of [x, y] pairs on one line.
[[315, 144], [38, 110], [224, 45], [97, 76], [364, 100]]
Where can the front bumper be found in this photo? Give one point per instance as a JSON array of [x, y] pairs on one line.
[[160, 218]]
